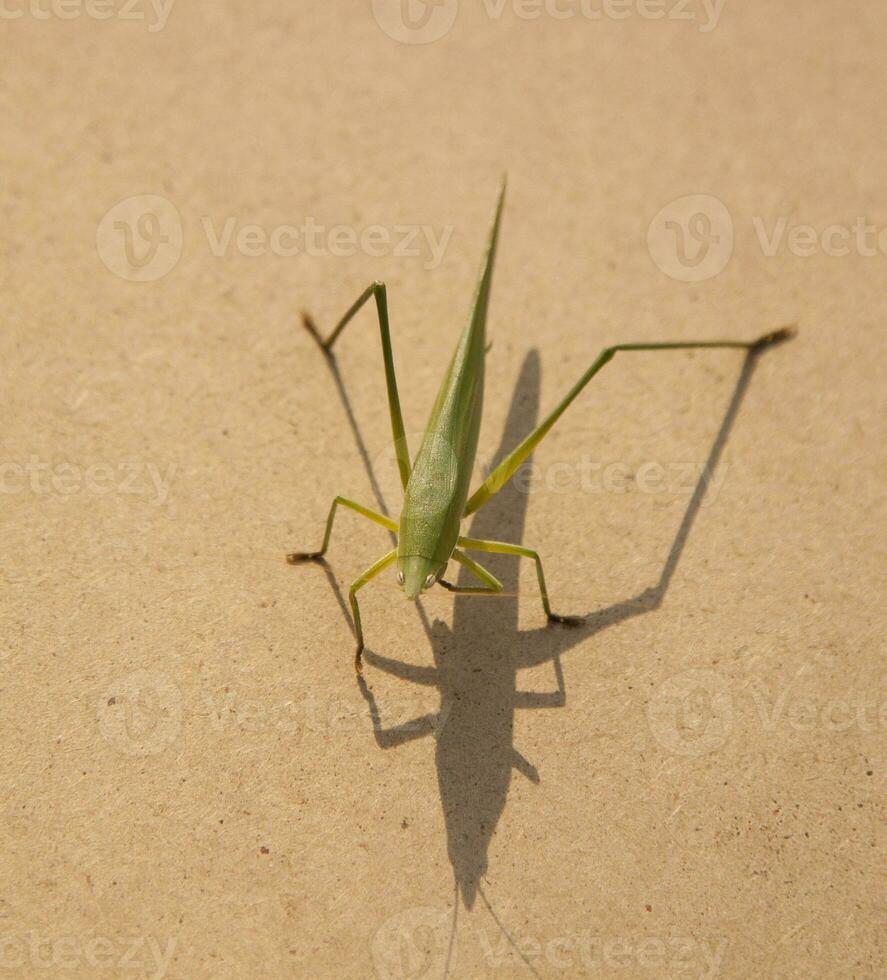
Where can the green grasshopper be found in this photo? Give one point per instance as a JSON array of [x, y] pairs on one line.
[[436, 484]]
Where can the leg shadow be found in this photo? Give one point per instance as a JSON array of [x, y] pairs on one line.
[[477, 660], [549, 645]]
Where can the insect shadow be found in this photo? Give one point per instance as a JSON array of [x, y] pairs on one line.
[[477, 678]]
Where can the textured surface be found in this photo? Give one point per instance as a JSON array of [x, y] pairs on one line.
[[190, 782]]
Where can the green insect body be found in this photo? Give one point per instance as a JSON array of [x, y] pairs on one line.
[[436, 484], [437, 491]]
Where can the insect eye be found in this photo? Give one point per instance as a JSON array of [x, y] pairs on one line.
[[400, 579], [432, 578]]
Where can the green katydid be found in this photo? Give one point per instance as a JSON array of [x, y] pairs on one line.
[[436, 484]]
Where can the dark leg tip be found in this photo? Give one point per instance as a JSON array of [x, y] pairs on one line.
[[298, 557], [775, 337], [566, 620], [358, 660], [309, 324]]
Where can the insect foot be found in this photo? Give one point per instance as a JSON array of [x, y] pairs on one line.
[[775, 337], [297, 557], [309, 324], [358, 659], [566, 620]]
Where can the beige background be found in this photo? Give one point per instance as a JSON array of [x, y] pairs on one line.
[[191, 781]]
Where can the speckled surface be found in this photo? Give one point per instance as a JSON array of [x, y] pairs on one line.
[[192, 782]]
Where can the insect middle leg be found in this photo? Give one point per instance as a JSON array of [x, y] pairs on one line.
[[299, 556], [501, 548]]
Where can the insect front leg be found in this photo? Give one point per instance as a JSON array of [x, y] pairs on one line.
[[501, 548], [491, 583], [356, 585], [299, 556]]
